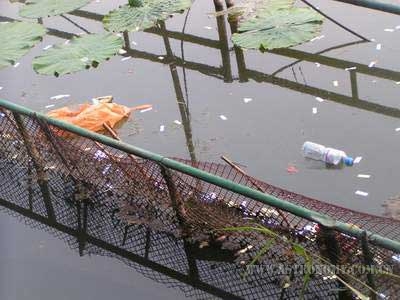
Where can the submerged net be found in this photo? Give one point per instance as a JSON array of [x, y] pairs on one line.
[[170, 226]]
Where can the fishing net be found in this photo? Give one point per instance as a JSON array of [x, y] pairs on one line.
[[172, 227]]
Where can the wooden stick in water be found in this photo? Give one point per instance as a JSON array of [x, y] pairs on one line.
[[237, 168]]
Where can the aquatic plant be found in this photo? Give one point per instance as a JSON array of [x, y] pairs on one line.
[[45, 8], [81, 53], [142, 14], [17, 38]]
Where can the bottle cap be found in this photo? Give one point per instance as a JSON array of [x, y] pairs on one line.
[[348, 161]]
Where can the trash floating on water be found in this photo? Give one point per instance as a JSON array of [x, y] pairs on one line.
[[58, 97], [66, 42], [133, 43], [398, 82], [84, 59], [314, 110], [291, 169], [378, 46], [397, 129], [222, 117], [50, 106], [126, 58], [177, 122], [47, 47], [317, 65], [208, 27], [372, 64], [319, 99], [325, 154], [161, 57], [335, 83], [247, 100], [16, 65], [317, 38], [1, 88], [350, 68], [162, 128], [121, 51], [361, 193], [388, 29], [146, 109], [357, 159], [363, 176]]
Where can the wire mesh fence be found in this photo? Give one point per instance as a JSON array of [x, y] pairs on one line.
[[172, 226]]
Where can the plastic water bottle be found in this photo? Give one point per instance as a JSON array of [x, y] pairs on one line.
[[328, 155]]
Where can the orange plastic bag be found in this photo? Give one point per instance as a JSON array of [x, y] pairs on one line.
[[93, 116]]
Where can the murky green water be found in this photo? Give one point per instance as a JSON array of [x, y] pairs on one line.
[[359, 115]]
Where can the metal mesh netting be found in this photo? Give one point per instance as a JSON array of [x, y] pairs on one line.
[[168, 225]]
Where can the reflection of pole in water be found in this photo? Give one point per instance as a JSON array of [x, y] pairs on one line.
[[183, 108], [240, 60], [223, 43]]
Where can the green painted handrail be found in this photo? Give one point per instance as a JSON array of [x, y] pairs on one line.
[[297, 210]]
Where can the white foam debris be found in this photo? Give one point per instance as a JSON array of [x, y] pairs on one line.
[[146, 109], [134, 43], [162, 128], [372, 64], [50, 106], [161, 57], [378, 46], [317, 38], [16, 65], [363, 176], [350, 68], [177, 122], [66, 42], [357, 160], [47, 47], [397, 129], [247, 100], [126, 58], [314, 110], [222, 117], [319, 99], [398, 82], [58, 97], [208, 27], [361, 193], [388, 29], [335, 83], [121, 51], [317, 65]]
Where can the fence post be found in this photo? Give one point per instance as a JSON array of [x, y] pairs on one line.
[[38, 165], [368, 262]]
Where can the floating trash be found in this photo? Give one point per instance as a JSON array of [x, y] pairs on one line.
[[378, 46], [372, 64], [222, 117], [247, 100], [350, 68], [146, 109], [122, 51], [397, 129], [126, 58], [58, 97], [16, 65], [162, 128], [317, 65], [363, 176], [319, 99], [178, 122], [161, 57], [314, 110], [50, 106], [335, 83], [389, 30], [361, 193], [47, 47], [207, 27], [357, 159]]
